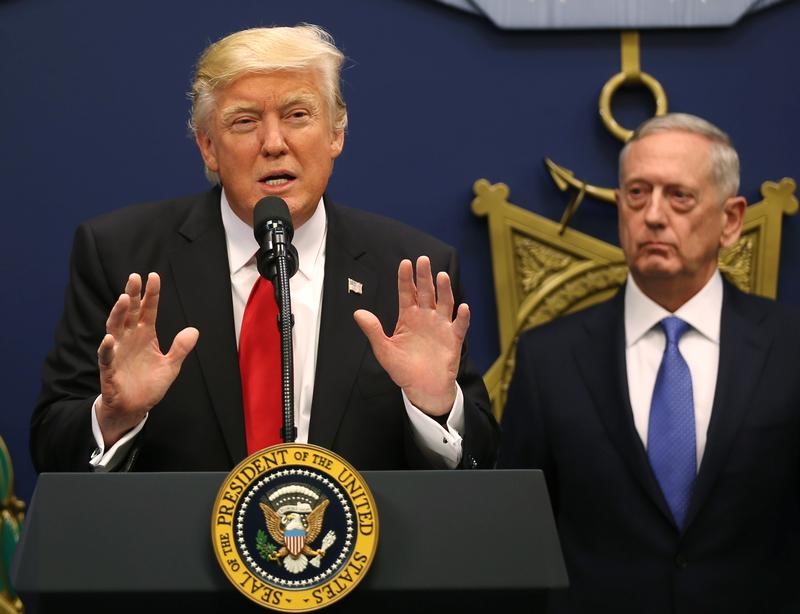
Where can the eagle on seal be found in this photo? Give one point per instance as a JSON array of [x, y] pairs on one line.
[[294, 531]]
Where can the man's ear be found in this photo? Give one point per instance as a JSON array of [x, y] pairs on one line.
[[207, 150], [337, 143], [733, 220]]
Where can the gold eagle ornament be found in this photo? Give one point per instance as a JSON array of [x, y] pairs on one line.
[[294, 530]]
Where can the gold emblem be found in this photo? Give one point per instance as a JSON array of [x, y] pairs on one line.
[[294, 527]]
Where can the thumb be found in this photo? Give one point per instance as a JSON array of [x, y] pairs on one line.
[[370, 326], [461, 323], [183, 343], [105, 353]]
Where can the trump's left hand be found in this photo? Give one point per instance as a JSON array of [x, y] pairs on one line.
[[423, 354]]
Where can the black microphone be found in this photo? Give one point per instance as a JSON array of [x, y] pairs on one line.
[[277, 261], [272, 227]]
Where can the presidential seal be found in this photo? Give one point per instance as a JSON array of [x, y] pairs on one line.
[[294, 527]]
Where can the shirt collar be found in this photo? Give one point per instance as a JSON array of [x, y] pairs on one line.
[[703, 312], [308, 240]]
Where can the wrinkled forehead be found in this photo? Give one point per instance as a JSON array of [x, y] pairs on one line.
[[668, 156], [258, 92]]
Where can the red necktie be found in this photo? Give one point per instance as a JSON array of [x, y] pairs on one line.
[[260, 366]]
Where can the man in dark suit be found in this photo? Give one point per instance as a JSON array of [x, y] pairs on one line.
[[269, 120], [673, 468]]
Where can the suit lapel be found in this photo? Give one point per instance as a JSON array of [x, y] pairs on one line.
[[608, 387], [202, 279], [341, 343], [743, 349]]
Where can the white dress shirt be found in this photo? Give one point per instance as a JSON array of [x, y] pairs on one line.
[[439, 443], [699, 346], [305, 289]]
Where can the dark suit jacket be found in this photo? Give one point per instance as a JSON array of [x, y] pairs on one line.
[[357, 410], [569, 413]]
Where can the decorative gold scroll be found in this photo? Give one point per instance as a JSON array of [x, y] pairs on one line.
[[630, 75]]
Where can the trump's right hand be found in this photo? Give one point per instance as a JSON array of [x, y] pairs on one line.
[[134, 373]]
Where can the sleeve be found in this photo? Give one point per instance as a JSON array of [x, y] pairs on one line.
[[61, 426], [523, 443], [481, 434], [439, 441], [117, 456]]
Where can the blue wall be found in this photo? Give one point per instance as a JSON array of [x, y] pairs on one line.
[[93, 114]]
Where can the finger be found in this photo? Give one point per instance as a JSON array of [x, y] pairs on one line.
[[115, 324], [105, 352], [149, 307], [426, 295], [184, 342], [371, 327], [461, 323], [406, 290], [444, 294], [133, 288]]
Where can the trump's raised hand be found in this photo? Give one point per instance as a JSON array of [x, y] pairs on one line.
[[422, 356], [134, 373]]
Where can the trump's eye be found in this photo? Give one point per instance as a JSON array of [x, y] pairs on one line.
[[298, 114], [243, 124]]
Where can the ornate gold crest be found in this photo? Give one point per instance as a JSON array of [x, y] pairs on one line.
[[294, 527]]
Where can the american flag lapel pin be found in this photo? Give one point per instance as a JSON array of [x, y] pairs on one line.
[[354, 287]]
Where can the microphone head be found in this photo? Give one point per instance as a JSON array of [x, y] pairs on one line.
[[274, 210], [272, 213]]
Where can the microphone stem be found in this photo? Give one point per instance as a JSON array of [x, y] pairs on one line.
[[285, 322]]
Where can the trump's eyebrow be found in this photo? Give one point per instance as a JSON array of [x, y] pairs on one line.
[[294, 99], [236, 109]]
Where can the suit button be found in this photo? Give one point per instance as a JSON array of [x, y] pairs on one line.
[[681, 562]]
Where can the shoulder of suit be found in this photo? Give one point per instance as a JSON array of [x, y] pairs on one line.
[[602, 314], [753, 306], [379, 227], [157, 213]]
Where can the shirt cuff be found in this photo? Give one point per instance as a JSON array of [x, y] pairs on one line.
[[440, 443], [106, 460]]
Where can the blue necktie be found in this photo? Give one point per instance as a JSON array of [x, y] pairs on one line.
[[671, 444]]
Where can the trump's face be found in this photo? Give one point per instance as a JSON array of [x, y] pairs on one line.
[[271, 135], [672, 218]]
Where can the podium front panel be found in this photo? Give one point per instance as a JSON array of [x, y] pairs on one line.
[[139, 534]]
